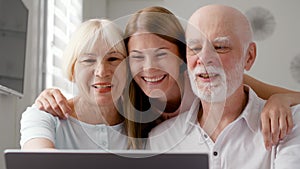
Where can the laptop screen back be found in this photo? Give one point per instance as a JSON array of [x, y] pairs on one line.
[[18, 159]]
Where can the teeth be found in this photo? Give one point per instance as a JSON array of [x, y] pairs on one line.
[[153, 79], [101, 86], [206, 75]]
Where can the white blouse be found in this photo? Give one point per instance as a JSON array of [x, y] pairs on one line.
[[71, 133]]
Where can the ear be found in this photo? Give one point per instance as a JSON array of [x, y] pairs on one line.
[[250, 56]]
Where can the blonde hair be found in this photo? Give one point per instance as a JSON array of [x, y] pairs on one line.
[[85, 37]]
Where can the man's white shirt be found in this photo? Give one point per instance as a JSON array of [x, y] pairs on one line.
[[239, 145]]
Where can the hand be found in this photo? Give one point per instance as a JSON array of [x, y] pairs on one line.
[[276, 119], [53, 102]]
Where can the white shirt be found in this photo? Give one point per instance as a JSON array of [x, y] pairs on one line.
[[70, 133], [239, 145]]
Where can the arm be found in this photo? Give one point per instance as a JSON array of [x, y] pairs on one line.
[[265, 91], [54, 102], [38, 143], [276, 115], [38, 129]]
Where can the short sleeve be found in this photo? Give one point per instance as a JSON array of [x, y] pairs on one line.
[[37, 124]]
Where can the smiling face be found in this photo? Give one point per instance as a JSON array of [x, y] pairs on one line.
[[217, 52], [154, 64], [100, 74]]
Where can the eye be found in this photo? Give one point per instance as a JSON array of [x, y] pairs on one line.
[[136, 56], [111, 59], [222, 49], [114, 56], [160, 54], [194, 51], [88, 60]]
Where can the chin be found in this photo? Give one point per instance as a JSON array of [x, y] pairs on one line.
[[155, 93], [211, 94]]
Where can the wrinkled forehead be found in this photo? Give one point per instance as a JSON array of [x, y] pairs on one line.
[[214, 32], [219, 40]]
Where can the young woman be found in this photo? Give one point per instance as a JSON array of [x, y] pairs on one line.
[[95, 59], [160, 87]]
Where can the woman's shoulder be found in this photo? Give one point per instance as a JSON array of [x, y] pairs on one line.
[[33, 113], [174, 124]]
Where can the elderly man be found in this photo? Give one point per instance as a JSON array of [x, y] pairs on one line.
[[227, 125]]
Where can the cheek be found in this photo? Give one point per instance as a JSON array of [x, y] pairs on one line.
[[121, 72], [82, 74], [134, 68], [171, 66], [192, 61]]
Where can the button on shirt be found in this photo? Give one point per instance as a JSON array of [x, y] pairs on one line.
[[71, 133], [239, 145]]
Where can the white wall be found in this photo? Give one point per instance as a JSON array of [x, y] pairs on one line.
[[275, 54], [11, 106]]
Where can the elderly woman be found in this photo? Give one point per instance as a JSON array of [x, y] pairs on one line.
[[95, 63]]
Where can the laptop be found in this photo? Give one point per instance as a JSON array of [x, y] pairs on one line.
[[99, 159]]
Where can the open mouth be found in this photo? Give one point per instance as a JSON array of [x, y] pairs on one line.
[[154, 79], [207, 75], [98, 86]]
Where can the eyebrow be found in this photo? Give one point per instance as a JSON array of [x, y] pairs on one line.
[[157, 49], [221, 39], [90, 54]]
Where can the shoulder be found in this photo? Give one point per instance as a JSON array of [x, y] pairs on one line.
[[173, 124], [168, 134], [296, 113], [32, 113]]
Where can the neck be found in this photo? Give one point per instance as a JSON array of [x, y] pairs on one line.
[[172, 100], [214, 117], [93, 113]]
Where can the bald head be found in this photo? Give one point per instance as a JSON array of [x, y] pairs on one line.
[[219, 45], [222, 18]]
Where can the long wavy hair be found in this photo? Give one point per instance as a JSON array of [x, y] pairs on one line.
[[163, 23]]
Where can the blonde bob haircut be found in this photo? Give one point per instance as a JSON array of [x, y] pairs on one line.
[[85, 37]]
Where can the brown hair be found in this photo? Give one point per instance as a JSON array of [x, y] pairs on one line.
[[165, 24]]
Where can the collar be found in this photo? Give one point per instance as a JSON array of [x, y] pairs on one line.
[[191, 118], [251, 113]]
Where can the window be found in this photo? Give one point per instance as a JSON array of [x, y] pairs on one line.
[[63, 16]]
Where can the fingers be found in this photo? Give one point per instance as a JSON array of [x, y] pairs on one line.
[[290, 123], [266, 131], [52, 101], [54, 106], [275, 126], [275, 132], [61, 103], [283, 127], [285, 123]]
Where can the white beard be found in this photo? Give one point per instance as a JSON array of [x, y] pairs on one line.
[[219, 89]]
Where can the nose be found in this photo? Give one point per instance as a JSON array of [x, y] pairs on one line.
[[207, 55], [149, 63], [102, 70]]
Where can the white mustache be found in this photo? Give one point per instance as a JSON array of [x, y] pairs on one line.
[[209, 69]]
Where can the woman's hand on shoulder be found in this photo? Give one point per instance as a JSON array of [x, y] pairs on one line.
[[54, 102], [276, 119]]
